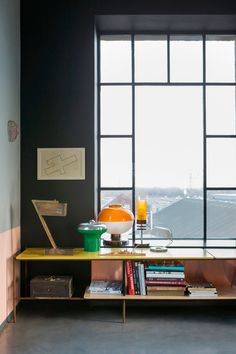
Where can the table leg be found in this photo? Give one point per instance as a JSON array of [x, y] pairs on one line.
[[123, 311], [14, 289], [26, 277]]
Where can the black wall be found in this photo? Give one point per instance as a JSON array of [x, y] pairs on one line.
[[57, 99]]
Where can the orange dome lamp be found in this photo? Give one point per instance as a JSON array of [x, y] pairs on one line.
[[118, 220]]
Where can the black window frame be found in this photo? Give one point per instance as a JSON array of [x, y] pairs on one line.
[[133, 84]]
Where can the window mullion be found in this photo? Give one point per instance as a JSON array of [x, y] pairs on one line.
[[168, 58], [133, 127], [204, 146]]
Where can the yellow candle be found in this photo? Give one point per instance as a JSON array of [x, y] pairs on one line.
[[142, 210]]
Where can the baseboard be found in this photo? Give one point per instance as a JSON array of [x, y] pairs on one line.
[[9, 319]]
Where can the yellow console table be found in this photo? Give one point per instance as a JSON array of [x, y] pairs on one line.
[[214, 265]]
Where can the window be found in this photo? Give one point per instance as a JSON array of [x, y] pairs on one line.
[[167, 132]]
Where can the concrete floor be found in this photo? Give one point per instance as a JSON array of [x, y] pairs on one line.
[[73, 327]]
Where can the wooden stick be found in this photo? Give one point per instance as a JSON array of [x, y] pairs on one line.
[[45, 226]]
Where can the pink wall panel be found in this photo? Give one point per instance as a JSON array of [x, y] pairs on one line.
[[9, 244], [106, 270]]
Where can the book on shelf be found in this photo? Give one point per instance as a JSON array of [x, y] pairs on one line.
[[176, 275], [172, 288], [141, 274], [130, 278], [114, 287], [165, 274], [142, 279], [165, 266], [165, 279], [202, 293], [166, 282], [97, 286], [105, 287], [165, 291], [136, 275], [201, 289]]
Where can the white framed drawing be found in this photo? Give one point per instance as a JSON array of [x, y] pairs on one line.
[[61, 163]]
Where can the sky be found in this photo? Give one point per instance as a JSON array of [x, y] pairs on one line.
[[169, 119]]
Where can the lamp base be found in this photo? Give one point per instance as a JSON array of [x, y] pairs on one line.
[[141, 245], [59, 251], [116, 241], [159, 249]]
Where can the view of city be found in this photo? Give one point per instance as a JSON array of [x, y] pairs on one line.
[[182, 211]]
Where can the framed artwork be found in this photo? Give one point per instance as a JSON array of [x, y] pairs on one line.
[[61, 163]]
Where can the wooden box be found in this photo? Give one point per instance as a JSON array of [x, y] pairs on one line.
[[51, 286]]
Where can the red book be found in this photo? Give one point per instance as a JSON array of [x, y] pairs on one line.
[[130, 278], [165, 282]]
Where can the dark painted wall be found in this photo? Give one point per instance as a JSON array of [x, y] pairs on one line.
[[57, 98], [57, 95], [163, 7]]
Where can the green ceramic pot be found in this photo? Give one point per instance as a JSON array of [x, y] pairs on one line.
[[92, 232]]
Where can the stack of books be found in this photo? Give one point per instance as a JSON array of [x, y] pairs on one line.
[[135, 278], [205, 289], [105, 287], [165, 279]]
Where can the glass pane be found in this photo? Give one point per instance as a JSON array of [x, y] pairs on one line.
[[150, 58], [169, 157], [116, 110], [115, 58], [221, 214], [220, 58], [220, 243], [116, 162], [186, 59], [221, 162], [116, 197], [220, 110]]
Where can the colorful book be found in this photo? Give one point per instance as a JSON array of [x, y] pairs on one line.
[[166, 293], [164, 287], [166, 282], [130, 278], [160, 274], [165, 279], [165, 268], [137, 290], [142, 279]]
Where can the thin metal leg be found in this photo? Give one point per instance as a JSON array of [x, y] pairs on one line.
[[26, 278], [14, 289], [123, 311]]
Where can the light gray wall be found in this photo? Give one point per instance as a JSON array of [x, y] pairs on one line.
[[9, 110]]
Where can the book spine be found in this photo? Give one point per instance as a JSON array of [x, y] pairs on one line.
[[130, 279], [164, 287], [164, 279], [166, 268], [140, 278], [137, 277], [163, 275], [134, 277], [143, 280], [165, 282]]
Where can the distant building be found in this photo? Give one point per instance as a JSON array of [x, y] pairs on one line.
[[185, 218]]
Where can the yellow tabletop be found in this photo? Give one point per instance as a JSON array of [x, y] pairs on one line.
[[78, 254], [223, 253]]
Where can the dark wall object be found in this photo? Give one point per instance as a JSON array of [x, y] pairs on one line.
[[58, 95]]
